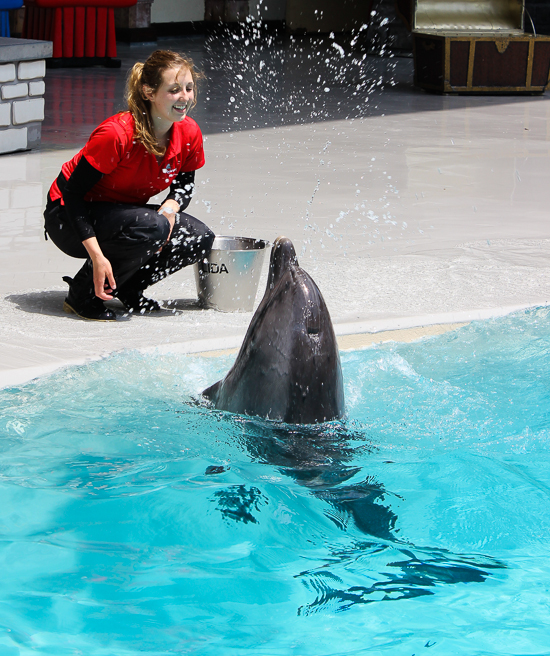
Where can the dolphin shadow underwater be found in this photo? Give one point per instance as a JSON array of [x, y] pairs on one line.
[[323, 459], [288, 368]]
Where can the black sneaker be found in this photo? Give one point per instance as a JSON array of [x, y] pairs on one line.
[[135, 301], [91, 309]]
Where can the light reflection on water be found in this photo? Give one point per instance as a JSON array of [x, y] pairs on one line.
[[136, 520]]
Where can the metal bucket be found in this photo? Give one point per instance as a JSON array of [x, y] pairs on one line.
[[227, 279]]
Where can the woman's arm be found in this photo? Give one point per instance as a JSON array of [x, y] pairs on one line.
[[82, 180], [182, 188]]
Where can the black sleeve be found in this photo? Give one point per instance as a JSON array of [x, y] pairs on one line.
[[182, 188], [82, 179]]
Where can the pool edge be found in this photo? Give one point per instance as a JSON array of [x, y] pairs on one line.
[[350, 335]]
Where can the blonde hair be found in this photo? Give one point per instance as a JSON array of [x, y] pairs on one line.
[[149, 74]]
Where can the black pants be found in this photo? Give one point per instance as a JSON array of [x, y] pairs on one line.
[[129, 237]]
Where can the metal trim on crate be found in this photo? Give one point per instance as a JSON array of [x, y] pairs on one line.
[[447, 72], [530, 55], [471, 60], [538, 89]]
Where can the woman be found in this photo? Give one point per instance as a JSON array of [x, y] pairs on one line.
[[97, 207]]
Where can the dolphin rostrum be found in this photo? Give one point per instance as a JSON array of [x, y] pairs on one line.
[[288, 368]]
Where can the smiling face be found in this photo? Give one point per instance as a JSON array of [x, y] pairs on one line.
[[172, 100]]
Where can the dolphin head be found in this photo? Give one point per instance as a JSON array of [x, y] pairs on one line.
[[288, 368]]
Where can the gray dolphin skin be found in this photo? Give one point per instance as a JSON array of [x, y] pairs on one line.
[[288, 368]]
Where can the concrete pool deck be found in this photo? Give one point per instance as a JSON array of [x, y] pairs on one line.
[[408, 209]]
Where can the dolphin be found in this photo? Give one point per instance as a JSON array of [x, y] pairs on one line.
[[288, 368]]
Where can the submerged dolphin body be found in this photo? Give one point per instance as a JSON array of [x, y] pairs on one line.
[[288, 368]]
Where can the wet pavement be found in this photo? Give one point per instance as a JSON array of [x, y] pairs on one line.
[[407, 208]]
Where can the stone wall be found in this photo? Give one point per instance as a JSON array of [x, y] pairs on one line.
[[22, 89]]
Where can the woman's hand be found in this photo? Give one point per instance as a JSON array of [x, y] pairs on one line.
[[104, 280], [169, 209]]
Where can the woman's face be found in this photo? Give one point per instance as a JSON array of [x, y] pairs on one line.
[[172, 100]]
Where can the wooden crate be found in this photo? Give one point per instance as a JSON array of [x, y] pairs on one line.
[[476, 46], [481, 63]]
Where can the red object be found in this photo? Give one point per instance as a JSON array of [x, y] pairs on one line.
[[101, 32], [131, 174], [79, 23], [68, 31], [57, 31], [86, 29], [81, 3], [89, 49]]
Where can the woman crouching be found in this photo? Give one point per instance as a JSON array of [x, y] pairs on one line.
[[97, 207]]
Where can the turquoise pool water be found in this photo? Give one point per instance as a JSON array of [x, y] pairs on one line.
[[134, 520]]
